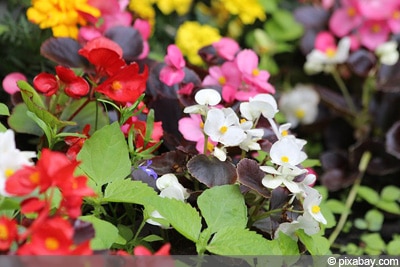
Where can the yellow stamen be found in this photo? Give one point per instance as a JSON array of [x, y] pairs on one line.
[[396, 14], [116, 85], [3, 232], [34, 178], [223, 129], [376, 28], [330, 52], [315, 209], [51, 243], [243, 120], [299, 113], [255, 72], [210, 146], [351, 12], [222, 80], [284, 133], [285, 159], [9, 172], [201, 125]]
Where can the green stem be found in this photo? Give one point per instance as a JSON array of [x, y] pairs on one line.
[[142, 224], [344, 90], [351, 197]]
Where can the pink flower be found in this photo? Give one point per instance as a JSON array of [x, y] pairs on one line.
[[373, 33], [226, 48], [192, 130], [173, 72], [346, 18], [394, 21], [256, 80], [377, 9], [228, 76], [144, 28], [10, 82]]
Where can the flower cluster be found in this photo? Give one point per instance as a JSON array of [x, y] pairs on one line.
[[51, 178]]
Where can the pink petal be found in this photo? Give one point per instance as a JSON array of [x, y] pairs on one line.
[[171, 76], [324, 41], [190, 128], [247, 61], [174, 57], [10, 82], [226, 48], [341, 23], [144, 27], [373, 33]]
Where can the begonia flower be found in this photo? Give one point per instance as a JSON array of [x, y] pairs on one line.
[[283, 176], [286, 152], [305, 222], [204, 99], [139, 129], [8, 232], [300, 105], [46, 83], [143, 251], [311, 206], [261, 104], [125, 86], [222, 125], [226, 48], [10, 82], [387, 53], [173, 72], [74, 86], [76, 143], [346, 18], [372, 33]]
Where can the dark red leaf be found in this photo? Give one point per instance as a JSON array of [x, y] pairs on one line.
[[250, 175]]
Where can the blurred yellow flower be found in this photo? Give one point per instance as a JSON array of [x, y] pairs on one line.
[[191, 36], [248, 11], [62, 16], [168, 6], [144, 9]]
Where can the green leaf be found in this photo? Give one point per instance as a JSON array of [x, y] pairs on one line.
[[335, 206], [183, 217], [374, 219], [152, 238], [20, 122], [35, 104], [283, 26], [4, 110], [388, 206], [223, 206], [315, 244], [309, 163], [238, 241], [287, 245], [2, 128], [327, 213], [374, 243], [360, 223], [128, 191], [393, 247], [368, 194], [390, 193], [105, 156], [106, 233]]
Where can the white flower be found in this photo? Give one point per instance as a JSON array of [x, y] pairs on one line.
[[252, 136], [305, 222], [387, 53], [311, 206], [287, 152], [318, 61], [11, 158], [204, 98], [220, 153], [305, 187], [264, 104], [169, 187], [300, 105], [282, 176], [222, 125]]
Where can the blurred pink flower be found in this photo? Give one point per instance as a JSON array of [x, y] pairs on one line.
[[373, 33], [345, 18], [173, 72], [377, 9], [10, 82], [256, 80], [144, 28], [226, 48]]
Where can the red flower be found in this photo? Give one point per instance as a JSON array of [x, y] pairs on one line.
[[143, 251], [140, 132], [46, 83], [126, 85], [53, 237], [8, 232], [75, 143], [74, 86], [25, 180]]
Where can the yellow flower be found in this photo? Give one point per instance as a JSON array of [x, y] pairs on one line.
[[168, 6], [62, 16], [191, 36], [248, 11], [144, 9]]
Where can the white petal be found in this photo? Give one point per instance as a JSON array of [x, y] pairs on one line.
[[208, 97]]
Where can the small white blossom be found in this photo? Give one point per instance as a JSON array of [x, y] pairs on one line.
[[305, 222], [387, 53], [300, 105], [287, 152], [311, 206], [222, 125], [204, 99], [11, 158], [220, 153], [318, 61], [283, 176], [261, 104]]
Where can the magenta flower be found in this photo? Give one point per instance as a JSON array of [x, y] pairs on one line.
[[227, 76], [377, 9], [173, 72], [256, 80], [394, 20], [346, 18], [144, 28], [10, 82], [373, 33], [226, 48]]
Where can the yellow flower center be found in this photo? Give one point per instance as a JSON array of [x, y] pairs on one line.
[[330, 52], [4, 234], [243, 120], [210, 146], [223, 129], [222, 80], [285, 159], [315, 209], [299, 113], [8, 172], [116, 85], [255, 72], [351, 12], [284, 133], [376, 28], [396, 14], [51, 243], [201, 125], [34, 178]]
